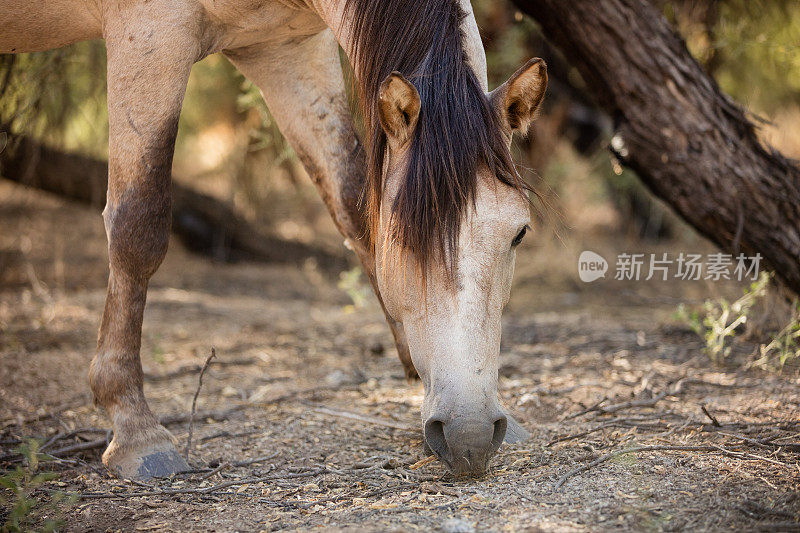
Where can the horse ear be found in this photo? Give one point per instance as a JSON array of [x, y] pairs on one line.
[[398, 108], [518, 99]]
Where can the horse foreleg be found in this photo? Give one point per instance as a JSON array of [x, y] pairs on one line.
[[148, 68], [304, 89]]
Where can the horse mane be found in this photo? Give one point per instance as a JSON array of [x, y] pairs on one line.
[[457, 128]]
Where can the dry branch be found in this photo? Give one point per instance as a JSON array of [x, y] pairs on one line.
[[194, 402], [80, 447], [689, 142], [65, 435], [203, 223]]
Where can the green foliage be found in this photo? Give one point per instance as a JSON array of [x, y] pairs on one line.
[[720, 322], [351, 283], [761, 43], [267, 136], [58, 96], [721, 319], [784, 348], [689, 317], [751, 46], [26, 510]]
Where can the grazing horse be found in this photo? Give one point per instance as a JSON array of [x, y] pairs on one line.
[[445, 207]]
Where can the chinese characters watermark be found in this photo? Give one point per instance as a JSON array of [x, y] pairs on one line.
[[664, 266]]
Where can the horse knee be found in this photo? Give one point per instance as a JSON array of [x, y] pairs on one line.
[[138, 212], [138, 226], [115, 382]]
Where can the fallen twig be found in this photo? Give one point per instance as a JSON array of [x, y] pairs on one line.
[[587, 410], [194, 403], [364, 418], [710, 416], [764, 443], [650, 402], [80, 447], [227, 464], [225, 433], [377, 492], [579, 435], [63, 436], [423, 462], [664, 447], [633, 449], [67, 450], [194, 368], [222, 466], [672, 389], [197, 490], [216, 414], [249, 462]]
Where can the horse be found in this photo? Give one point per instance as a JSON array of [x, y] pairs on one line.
[[430, 202]]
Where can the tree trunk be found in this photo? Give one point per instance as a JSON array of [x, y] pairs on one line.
[[203, 223], [689, 143]]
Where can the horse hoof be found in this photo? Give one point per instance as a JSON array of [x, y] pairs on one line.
[[161, 460]]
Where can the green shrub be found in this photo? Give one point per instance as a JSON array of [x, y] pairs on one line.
[[20, 496], [721, 323]]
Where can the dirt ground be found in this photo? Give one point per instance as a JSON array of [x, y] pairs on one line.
[[306, 420]]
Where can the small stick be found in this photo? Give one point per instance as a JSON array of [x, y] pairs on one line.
[[222, 466], [363, 418], [202, 490], [587, 410], [191, 369], [67, 450], [634, 449], [75, 402], [256, 460], [63, 436], [219, 415], [423, 462], [226, 433], [579, 435], [194, 402], [227, 464], [378, 492], [80, 447], [651, 402], [764, 443], [710, 417]]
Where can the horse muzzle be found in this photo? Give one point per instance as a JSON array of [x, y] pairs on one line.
[[465, 444]]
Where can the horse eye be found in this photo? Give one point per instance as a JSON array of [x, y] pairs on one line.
[[520, 235]]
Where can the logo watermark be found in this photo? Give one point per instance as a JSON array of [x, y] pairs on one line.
[[591, 266], [664, 266]]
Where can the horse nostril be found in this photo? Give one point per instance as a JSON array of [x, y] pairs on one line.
[[500, 426], [434, 437]]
